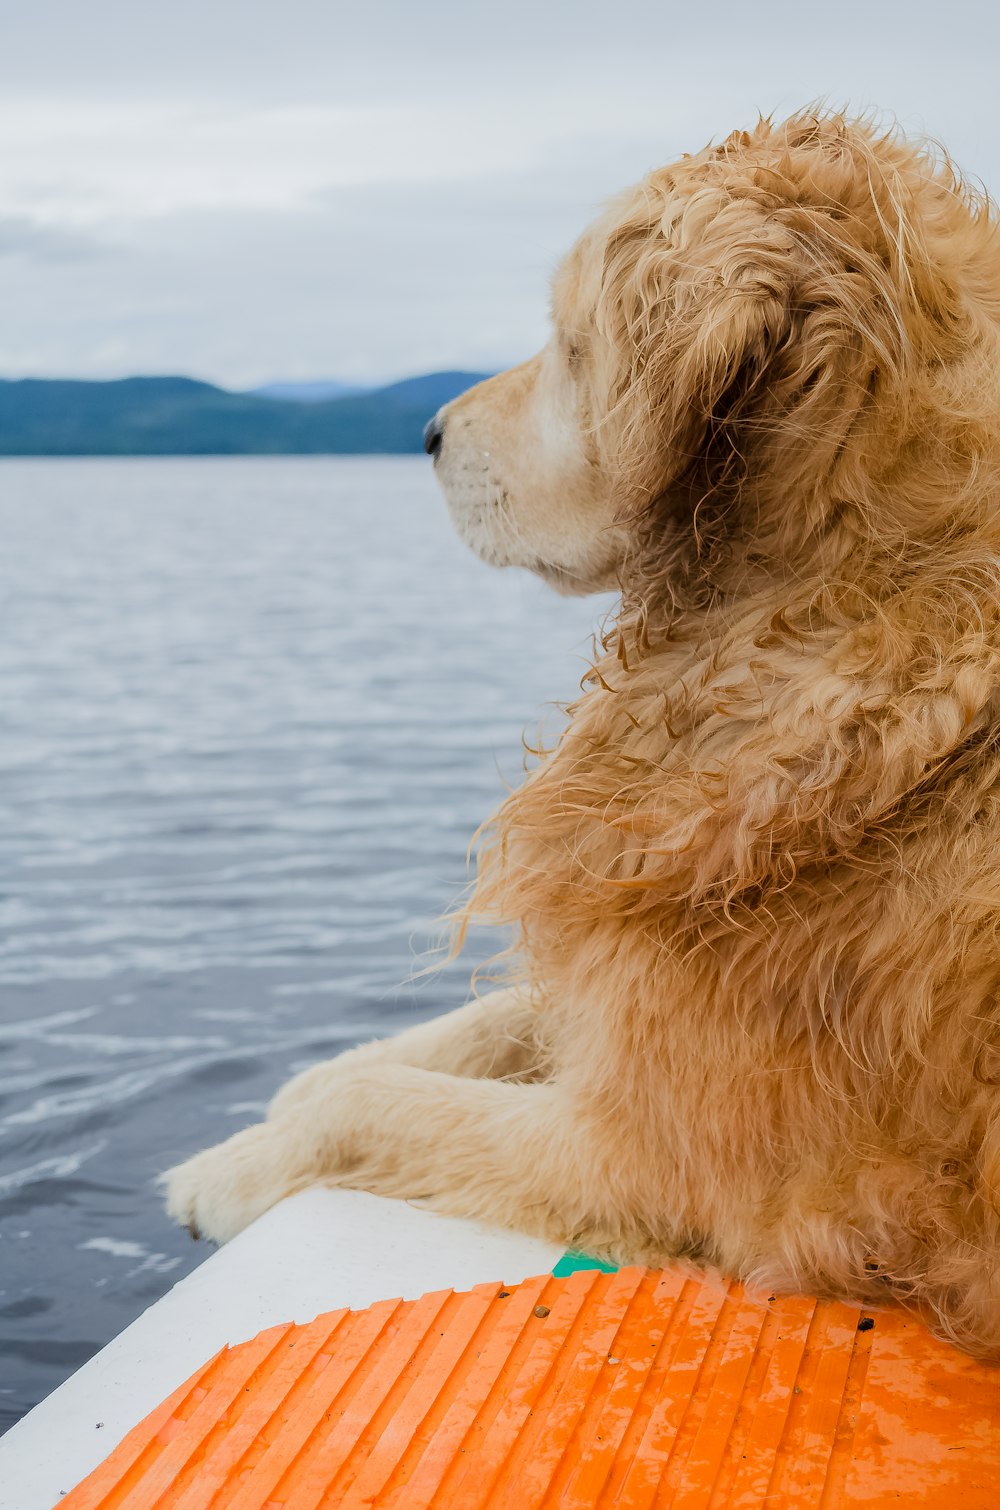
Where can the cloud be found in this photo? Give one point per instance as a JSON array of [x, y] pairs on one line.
[[246, 193], [43, 244]]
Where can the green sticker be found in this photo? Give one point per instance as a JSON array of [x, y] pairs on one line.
[[571, 1262]]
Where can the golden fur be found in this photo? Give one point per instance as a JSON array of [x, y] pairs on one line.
[[754, 1018]]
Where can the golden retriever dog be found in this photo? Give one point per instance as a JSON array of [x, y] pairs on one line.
[[753, 1012]]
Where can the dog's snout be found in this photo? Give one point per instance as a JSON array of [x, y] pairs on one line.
[[433, 435]]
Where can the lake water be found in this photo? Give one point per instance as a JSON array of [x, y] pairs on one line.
[[251, 712]]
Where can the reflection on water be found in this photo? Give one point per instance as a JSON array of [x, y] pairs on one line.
[[250, 714]]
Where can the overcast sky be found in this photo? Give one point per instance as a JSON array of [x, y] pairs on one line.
[[245, 191]]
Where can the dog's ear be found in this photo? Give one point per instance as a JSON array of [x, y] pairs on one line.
[[741, 336], [693, 306]]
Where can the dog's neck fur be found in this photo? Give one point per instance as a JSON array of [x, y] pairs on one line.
[[758, 722]]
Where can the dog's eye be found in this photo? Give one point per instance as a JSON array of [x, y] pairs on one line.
[[570, 349]]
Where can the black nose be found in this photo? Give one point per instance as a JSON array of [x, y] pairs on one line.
[[433, 436]]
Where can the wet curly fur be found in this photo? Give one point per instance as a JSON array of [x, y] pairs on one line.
[[756, 885]]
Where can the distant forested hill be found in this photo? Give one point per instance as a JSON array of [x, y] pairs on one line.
[[174, 416]]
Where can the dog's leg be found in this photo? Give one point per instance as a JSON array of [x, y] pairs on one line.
[[514, 1154], [500, 1036]]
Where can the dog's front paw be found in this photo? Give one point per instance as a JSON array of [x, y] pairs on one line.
[[219, 1192]]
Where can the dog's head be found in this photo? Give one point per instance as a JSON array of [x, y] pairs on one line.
[[735, 361]]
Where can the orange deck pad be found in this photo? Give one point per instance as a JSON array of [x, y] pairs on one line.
[[641, 1388]]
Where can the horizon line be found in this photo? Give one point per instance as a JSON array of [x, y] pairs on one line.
[[359, 384]]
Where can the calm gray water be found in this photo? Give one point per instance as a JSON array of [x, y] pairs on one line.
[[251, 712]]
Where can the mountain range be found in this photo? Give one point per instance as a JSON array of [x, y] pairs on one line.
[[178, 416], [310, 392]]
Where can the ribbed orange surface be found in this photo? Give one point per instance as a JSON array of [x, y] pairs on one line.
[[633, 1389]]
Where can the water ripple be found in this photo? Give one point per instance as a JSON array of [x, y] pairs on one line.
[[251, 712]]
